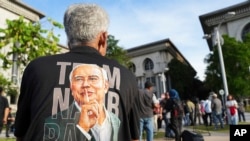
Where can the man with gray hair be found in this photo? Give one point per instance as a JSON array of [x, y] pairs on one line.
[[216, 111], [45, 88]]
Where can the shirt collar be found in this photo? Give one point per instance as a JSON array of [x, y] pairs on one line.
[[84, 49]]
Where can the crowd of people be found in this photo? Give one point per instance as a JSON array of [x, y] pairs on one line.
[[207, 112]]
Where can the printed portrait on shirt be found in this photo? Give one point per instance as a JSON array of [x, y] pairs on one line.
[[86, 118]]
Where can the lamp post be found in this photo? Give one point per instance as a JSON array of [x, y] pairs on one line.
[[222, 66], [219, 43], [163, 79], [15, 66]]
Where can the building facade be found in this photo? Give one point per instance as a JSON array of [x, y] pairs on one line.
[[150, 63], [234, 21]]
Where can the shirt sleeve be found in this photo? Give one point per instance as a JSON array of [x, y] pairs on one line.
[[155, 100], [86, 134]]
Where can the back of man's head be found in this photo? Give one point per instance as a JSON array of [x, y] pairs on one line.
[[83, 22], [148, 84]]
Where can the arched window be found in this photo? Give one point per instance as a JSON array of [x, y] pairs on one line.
[[148, 64], [132, 67], [245, 31]]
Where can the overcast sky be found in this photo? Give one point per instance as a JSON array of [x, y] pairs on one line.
[[138, 22]]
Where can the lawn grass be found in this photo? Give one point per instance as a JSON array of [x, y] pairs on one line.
[[7, 139]]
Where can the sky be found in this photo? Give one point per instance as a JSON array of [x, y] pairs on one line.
[[138, 22]]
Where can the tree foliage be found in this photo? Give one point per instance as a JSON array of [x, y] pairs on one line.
[[116, 52], [182, 77], [236, 56], [5, 83], [27, 40]]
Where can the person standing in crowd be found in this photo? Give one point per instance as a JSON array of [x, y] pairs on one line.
[[160, 118], [4, 109], [156, 112], [241, 111], [202, 111], [232, 112], [217, 111], [208, 111], [45, 90], [191, 108], [197, 115], [145, 109], [174, 106], [168, 131], [186, 113], [10, 120]]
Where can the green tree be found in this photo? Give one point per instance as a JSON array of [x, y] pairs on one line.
[[27, 40], [182, 78], [236, 56], [4, 82], [116, 52], [8, 88]]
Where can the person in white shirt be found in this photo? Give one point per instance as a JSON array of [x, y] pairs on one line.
[[156, 112], [208, 111], [232, 112]]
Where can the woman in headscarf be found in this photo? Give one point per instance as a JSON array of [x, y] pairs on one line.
[[174, 106]]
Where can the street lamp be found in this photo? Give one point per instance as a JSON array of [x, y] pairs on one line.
[[15, 66], [163, 79], [218, 42]]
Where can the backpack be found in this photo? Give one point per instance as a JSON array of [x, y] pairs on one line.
[[177, 109]]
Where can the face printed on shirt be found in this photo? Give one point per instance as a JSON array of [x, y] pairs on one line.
[[88, 84]]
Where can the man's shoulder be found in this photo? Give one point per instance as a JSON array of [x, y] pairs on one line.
[[46, 59], [3, 98]]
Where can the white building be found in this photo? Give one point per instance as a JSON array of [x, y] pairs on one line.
[[150, 62], [234, 20]]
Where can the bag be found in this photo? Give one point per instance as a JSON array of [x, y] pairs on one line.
[[191, 136], [177, 109], [232, 110]]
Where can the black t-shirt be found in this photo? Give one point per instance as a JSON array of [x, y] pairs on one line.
[[45, 91], [163, 104]]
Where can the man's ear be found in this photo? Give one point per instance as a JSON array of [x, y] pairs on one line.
[[102, 44]]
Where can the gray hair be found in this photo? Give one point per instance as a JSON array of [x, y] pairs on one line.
[[83, 22]]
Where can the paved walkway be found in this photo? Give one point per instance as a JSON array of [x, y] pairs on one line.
[[214, 136]]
